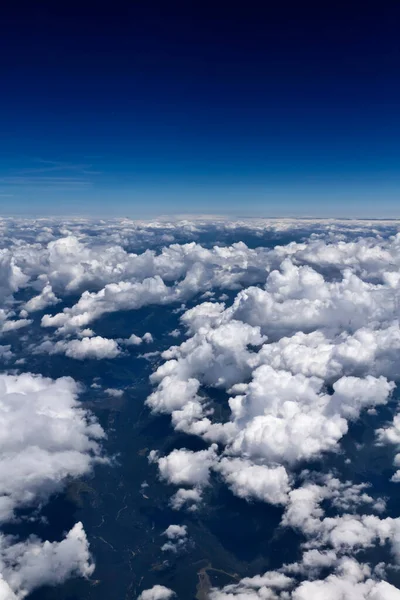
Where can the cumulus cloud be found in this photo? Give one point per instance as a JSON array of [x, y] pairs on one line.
[[114, 393], [279, 416], [258, 482], [90, 255], [157, 592], [285, 417], [283, 413], [46, 298], [28, 565], [342, 532], [174, 532], [350, 581], [95, 347], [267, 586], [56, 438], [131, 281], [12, 277], [133, 340], [186, 498], [391, 435], [300, 357], [347, 586], [113, 297], [177, 538], [46, 437], [306, 340], [7, 323], [185, 467]]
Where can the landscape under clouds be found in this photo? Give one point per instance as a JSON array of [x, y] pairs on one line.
[[199, 408]]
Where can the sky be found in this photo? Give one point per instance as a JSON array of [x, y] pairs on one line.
[[149, 108]]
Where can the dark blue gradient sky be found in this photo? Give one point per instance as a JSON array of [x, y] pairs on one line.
[[144, 108]]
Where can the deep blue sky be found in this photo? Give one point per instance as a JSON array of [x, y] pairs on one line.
[[164, 107]]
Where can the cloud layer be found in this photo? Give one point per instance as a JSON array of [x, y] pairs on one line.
[[287, 346]]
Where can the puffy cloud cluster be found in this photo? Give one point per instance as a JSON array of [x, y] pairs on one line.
[[342, 532], [391, 435], [297, 294], [185, 467], [350, 580], [96, 347], [9, 323], [294, 420], [28, 565], [331, 541], [310, 341], [46, 438], [348, 583], [281, 410], [74, 256], [281, 415], [174, 532], [298, 359], [186, 498], [135, 340], [252, 481], [46, 298], [113, 278], [145, 233], [177, 538], [95, 259]]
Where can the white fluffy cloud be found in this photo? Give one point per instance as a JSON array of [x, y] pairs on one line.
[[278, 416], [267, 587], [342, 532], [135, 340], [129, 281], [250, 481], [346, 588], [299, 358], [95, 347], [309, 342], [177, 538], [280, 409], [114, 393], [285, 417], [46, 437], [188, 498], [8, 323], [174, 532], [185, 467], [350, 581], [28, 565], [157, 592], [46, 298], [391, 435]]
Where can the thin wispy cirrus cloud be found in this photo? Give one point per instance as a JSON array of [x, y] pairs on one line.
[[49, 175], [49, 166]]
